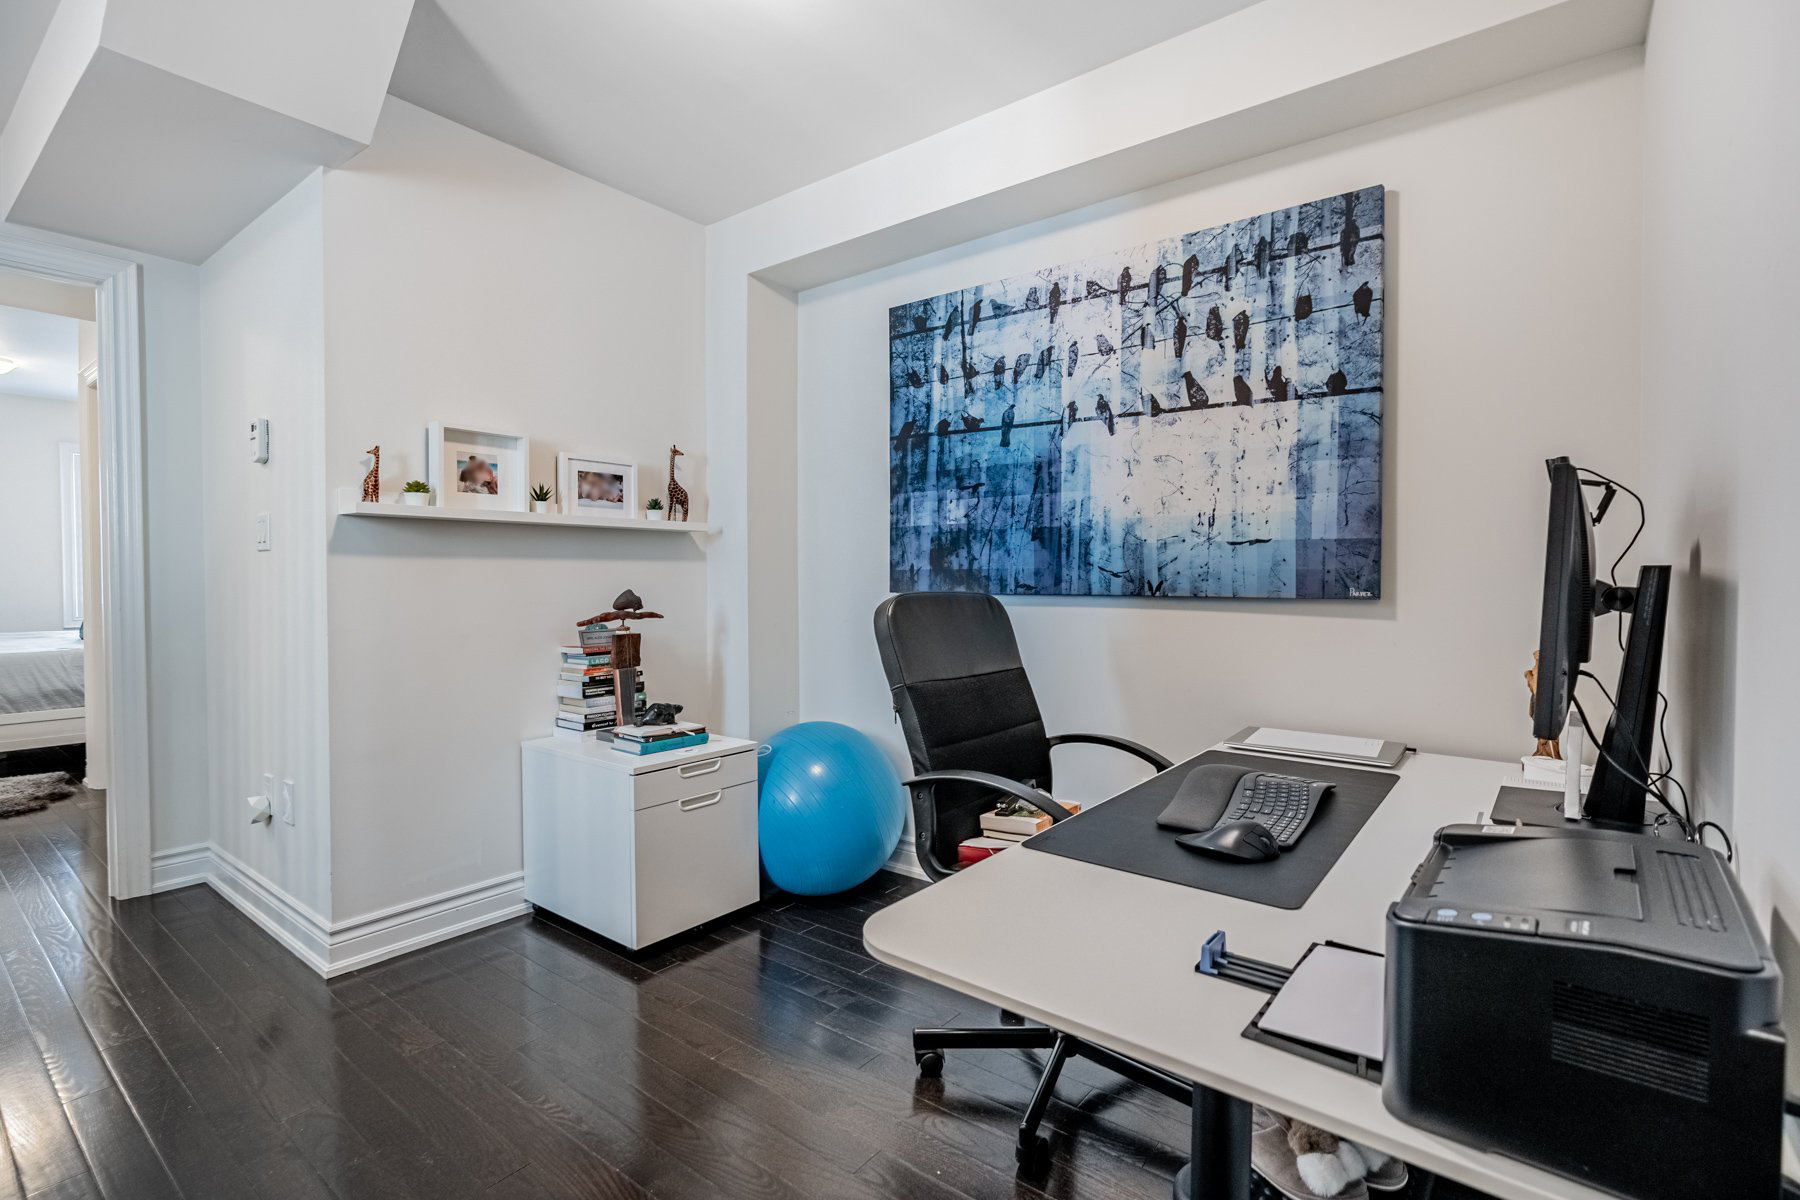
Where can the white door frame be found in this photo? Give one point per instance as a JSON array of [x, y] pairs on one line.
[[118, 309]]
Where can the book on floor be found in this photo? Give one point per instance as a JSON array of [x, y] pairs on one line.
[[1025, 823], [973, 850]]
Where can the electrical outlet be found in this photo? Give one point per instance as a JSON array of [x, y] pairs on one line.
[[284, 804], [264, 540]]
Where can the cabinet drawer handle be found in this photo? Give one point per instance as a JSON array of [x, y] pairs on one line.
[[689, 770], [706, 801]]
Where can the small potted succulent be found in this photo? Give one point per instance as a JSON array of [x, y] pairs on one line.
[[540, 498], [653, 509], [415, 492]]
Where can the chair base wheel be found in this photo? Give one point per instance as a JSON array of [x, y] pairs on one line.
[[931, 1064], [1033, 1154]]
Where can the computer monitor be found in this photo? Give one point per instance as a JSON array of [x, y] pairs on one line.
[[1566, 632], [1574, 596]]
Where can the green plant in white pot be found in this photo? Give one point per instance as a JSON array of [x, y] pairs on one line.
[[415, 492], [540, 498], [653, 509]]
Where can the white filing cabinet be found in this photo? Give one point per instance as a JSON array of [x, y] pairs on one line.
[[640, 848]]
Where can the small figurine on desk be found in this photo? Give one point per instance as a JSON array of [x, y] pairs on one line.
[[678, 497], [1546, 747], [660, 713], [372, 481]]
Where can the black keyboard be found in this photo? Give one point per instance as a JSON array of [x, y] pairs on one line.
[[1282, 804]]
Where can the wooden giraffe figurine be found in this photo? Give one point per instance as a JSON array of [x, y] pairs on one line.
[[1546, 747], [678, 497], [372, 481]]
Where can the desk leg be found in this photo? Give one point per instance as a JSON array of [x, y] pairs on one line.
[[1219, 1166]]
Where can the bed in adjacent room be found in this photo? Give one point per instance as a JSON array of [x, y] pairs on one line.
[[42, 700]]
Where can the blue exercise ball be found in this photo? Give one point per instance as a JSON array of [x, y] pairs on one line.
[[831, 808]]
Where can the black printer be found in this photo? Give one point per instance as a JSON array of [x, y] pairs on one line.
[[1599, 1003]]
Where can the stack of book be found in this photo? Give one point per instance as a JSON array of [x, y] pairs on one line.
[[652, 739], [587, 687], [973, 850], [1004, 827]]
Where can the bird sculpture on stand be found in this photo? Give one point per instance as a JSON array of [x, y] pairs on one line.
[[629, 606], [626, 644], [372, 481]]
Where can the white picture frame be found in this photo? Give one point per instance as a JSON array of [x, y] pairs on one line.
[[452, 451], [570, 470]]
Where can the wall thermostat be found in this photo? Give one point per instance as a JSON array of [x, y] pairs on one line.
[[259, 440]]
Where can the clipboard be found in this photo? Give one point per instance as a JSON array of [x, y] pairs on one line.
[[1270, 978]]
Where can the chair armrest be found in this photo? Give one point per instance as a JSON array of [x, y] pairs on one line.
[[1117, 743], [1000, 783]]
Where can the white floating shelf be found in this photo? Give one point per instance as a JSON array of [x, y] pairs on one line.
[[351, 504]]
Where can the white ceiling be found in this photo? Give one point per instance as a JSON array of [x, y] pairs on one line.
[[47, 350], [709, 107], [22, 26]]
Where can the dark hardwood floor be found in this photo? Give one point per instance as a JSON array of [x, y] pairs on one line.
[[166, 1047]]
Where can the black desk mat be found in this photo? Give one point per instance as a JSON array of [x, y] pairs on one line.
[[1122, 833]]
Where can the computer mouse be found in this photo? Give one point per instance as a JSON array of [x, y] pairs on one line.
[[1238, 841]]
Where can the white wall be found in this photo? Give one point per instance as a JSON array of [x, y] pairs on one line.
[[18, 290], [1721, 249], [1133, 123], [96, 682], [32, 430], [1513, 335], [262, 343], [470, 282], [177, 600]]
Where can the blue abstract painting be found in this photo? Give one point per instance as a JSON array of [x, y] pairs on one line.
[[1200, 416]]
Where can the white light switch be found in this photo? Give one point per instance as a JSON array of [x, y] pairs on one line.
[[263, 541], [284, 802]]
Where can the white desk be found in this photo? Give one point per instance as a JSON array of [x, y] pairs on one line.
[[1116, 965]]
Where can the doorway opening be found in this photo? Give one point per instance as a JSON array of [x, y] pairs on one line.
[[73, 681]]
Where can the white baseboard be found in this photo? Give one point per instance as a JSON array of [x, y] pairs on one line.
[[905, 861], [180, 867], [364, 941], [335, 947]]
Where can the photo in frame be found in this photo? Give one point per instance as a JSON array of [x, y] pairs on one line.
[[596, 486], [475, 468]]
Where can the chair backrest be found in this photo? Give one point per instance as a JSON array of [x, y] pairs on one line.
[[963, 700]]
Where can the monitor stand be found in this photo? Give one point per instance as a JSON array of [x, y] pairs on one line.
[[1614, 798], [1541, 806]]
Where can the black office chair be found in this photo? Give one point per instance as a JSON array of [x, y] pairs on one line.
[[975, 734]]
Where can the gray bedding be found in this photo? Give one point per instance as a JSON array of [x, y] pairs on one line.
[[40, 672]]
